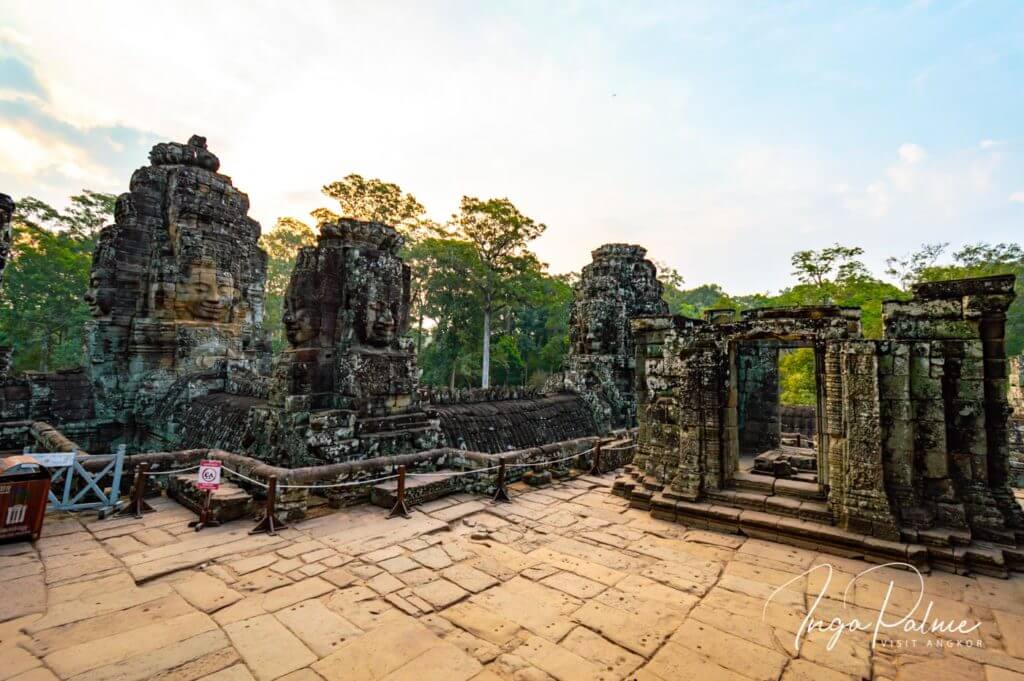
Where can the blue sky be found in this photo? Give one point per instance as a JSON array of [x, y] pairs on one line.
[[721, 136]]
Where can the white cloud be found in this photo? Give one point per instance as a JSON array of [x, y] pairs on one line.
[[26, 152], [911, 153], [1017, 197]]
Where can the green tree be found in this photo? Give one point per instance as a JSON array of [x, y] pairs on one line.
[[498, 234], [282, 244], [983, 260], [796, 377], [375, 200], [42, 311]]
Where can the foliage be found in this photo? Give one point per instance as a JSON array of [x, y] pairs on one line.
[[42, 311], [377, 201], [796, 377], [497, 234], [981, 260]]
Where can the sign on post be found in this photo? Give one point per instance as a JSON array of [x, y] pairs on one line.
[[209, 475]]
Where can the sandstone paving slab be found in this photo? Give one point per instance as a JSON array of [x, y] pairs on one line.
[[247, 608], [434, 557], [180, 556], [783, 554], [573, 584], [483, 651], [693, 577], [108, 650], [47, 641], [536, 608], [444, 662], [23, 596], [385, 583], [154, 536], [420, 575], [382, 533], [597, 554], [310, 570], [469, 578], [398, 564], [302, 675], [36, 674], [642, 634], [849, 655], [286, 565], [76, 568], [803, 670], [453, 513], [120, 546], [92, 605], [561, 663], [83, 589], [1011, 625], [261, 581], [366, 615], [580, 566], [381, 555], [614, 659], [318, 555], [793, 580], [764, 592], [339, 577], [188, 659], [319, 627], [440, 593], [756, 662], [17, 661], [238, 672], [299, 548], [253, 563], [206, 593], [677, 663], [636, 587], [482, 622], [23, 568], [294, 593], [268, 648], [379, 652]]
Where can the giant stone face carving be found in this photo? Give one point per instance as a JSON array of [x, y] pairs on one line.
[[176, 286]]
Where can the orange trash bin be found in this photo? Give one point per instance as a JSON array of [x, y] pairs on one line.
[[24, 490]]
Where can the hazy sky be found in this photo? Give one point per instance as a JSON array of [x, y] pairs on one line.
[[721, 136]]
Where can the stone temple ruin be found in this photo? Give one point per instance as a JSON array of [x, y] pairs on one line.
[[906, 455], [911, 439], [618, 285]]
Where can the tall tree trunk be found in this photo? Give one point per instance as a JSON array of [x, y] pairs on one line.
[[485, 380], [419, 336]]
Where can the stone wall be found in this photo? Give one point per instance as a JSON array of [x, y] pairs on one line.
[[503, 425], [757, 365], [798, 418]]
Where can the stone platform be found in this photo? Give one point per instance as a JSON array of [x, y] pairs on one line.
[[566, 583]]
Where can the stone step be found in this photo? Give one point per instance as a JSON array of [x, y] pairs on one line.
[[229, 502], [418, 489], [788, 487]]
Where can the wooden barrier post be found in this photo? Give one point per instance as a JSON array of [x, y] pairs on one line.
[[269, 522], [400, 508], [138, 505], [595, 468], [206, 518], [501, 494]]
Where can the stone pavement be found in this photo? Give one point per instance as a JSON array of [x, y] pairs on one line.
[[564, 583]]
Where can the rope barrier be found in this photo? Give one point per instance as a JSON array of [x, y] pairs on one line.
[[180, 470]]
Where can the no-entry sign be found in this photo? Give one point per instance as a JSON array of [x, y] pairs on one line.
[[209, 475]]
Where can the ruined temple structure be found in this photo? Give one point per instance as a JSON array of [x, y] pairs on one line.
[[1017, 420], [6, 213], [6, 238], [912, 459], [346, 385], [618, 285], [176, 293]]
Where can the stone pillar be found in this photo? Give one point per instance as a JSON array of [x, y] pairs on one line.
[[6, 235], [863, 506]]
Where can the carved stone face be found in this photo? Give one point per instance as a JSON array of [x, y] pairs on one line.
[[206, 294], [379, 324], [100, 294], [300, 323]]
